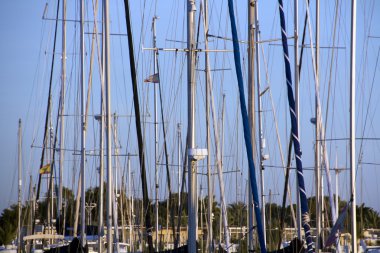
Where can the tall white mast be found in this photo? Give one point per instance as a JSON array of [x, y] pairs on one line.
[[62, 128], [101, 173], [19, 250], [155, 130], [352, 126], [179, 165], [209, 176], [101, 147], [131, 205], [51, 181], [261, 137], [83, 125], [107, 79], [192, 173], [219, 162], [251, 106], [336, 187], [317, 139]]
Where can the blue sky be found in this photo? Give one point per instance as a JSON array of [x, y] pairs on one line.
[[24, 67], [20, 25]]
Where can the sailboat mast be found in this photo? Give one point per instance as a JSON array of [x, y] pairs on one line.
[[48, 110], [352, 126], [192, 176], [251, 106], [297, 107], [261, 137], [114, 192], [209, 176], [101, 146], [107, 79], [50, 182], [155, 131], [294, 126], [83, 127], [19, 188], [179, 164], [115, 217], [317, 139], [296, 64], [30, 205], [247, 133], [219, 162], [101, 175], [131, 203], [62, 127], [336, 187], [138, 127]]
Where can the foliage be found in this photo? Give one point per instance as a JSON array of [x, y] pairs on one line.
[[68, 201], [8, 225], [367, 217], [237, 214]]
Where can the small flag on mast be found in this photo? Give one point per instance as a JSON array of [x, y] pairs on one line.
[[152, 79], [45, 169]]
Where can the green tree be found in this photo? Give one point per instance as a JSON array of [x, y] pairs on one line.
[[237, 214], [8, 225]]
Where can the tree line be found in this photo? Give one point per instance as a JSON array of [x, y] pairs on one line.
[[367, 217]]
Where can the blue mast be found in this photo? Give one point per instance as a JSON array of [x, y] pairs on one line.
[[247, 132], [297, 146]]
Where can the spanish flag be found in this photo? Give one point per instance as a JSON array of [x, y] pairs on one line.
[[45, 169]]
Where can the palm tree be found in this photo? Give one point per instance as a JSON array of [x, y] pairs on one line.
[[237, 214]]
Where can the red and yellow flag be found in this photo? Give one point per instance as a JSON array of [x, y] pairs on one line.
[[45, 169]]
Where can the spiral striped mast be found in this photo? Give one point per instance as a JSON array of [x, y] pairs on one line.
[[296, 142]]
